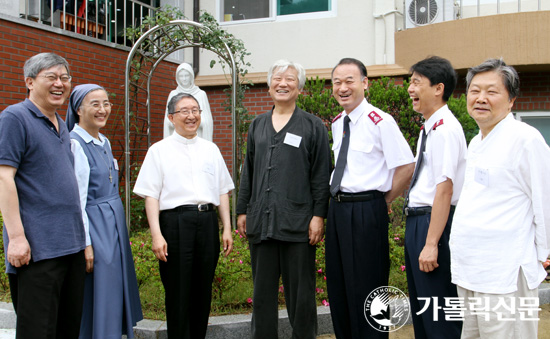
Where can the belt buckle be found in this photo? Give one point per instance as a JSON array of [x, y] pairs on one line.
[[203, 207], [337, 197], [406, 211]]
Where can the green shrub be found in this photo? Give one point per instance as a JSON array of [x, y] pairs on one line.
[[4, 284], [458, 107], [396, 239], [232, 291], [232, 287]]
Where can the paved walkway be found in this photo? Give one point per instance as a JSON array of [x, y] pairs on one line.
[[7, 334], [406, 332]]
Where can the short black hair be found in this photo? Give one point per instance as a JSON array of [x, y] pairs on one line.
[[439, 71], [352, 61]]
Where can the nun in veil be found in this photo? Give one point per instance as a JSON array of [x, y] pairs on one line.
[[185, 77], [111, 298]]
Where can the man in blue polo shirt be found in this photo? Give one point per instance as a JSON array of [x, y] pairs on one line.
[[44, 237]]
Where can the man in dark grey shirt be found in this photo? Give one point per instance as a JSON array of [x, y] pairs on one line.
[[283, 200]]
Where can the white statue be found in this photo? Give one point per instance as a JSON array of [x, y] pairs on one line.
[[185, 77]]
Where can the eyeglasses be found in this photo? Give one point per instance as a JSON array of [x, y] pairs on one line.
[[97, 105], [186, 112], [53, 78]]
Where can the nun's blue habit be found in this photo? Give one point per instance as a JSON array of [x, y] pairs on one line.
[[111, 297]]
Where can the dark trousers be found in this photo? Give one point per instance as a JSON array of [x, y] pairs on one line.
[[357, 262], [427, 285], [47, 297], [295, 262], [193, 250]]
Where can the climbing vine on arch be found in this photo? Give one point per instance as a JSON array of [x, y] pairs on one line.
[[213, 38]]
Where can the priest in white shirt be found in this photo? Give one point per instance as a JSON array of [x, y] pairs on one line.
[[184, 180], [501, 229]]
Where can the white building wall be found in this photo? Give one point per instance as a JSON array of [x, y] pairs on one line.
[[350, 31]]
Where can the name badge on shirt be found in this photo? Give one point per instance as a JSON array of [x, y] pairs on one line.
[[482, 176], [115, 164], [292, 140], [208, 168]]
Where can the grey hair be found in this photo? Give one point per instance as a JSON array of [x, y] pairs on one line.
[[282, 65], [42, 61], [176, 99], [509, 75]]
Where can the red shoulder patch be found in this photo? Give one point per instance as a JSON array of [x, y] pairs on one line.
[[337, 117], [437, 124], [375, 117]]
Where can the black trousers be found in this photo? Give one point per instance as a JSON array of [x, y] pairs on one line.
[[357, 262], [433, 284], [193, 251], [295, 262], [47, 297]]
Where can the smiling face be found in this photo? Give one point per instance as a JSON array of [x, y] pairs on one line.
[[94, 112], [347, 86], [426, 99], [488, 100], [49, 95], [284, 86], [186, 125]]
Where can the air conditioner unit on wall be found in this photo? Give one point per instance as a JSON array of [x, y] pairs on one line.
[[425, 12]]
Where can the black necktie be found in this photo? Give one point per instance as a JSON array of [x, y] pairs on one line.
[[417, 168], [342, 159]]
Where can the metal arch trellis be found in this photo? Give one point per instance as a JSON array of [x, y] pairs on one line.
[[144, 57]]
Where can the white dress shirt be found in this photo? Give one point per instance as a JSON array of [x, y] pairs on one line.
[[444, 158], [502, 220], [179, 171], [376, 148]]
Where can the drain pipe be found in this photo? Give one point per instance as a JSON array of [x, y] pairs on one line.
[[383, 17], [196, 61]]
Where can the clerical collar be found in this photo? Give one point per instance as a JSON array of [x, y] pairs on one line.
[[184, 140]]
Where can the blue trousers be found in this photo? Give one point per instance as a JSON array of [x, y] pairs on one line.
[[427, 285]]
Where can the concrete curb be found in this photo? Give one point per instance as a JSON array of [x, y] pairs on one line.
[[233, 326], [229, 326]]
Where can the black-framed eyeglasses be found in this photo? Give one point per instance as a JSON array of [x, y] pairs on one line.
[[186, 112]]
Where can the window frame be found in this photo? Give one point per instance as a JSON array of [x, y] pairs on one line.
[[273, 17], [544, 114]]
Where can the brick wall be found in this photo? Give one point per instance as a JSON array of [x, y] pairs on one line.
[[95, 63]]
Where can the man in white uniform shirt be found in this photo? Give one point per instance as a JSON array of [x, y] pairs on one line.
[[378, 164], [500, 233], [182, 179], [433, 194]]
